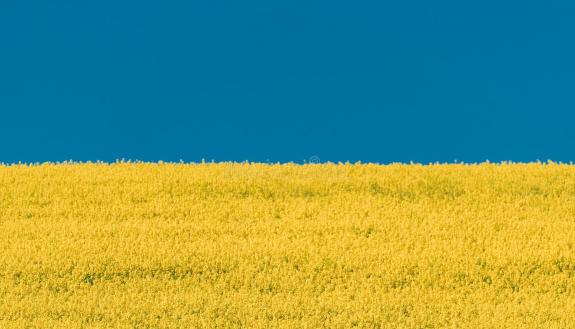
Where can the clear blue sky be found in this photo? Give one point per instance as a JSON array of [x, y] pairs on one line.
[[379, 81]]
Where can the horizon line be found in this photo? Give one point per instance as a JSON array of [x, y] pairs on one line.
[[269, 163]]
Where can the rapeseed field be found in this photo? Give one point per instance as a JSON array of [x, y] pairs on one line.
[[239, 245]]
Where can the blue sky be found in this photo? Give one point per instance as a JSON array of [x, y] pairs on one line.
[[381, 81]]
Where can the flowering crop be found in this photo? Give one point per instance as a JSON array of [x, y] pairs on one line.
[[164, 245]]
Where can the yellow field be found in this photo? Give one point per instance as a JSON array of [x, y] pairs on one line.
[[257, 246]]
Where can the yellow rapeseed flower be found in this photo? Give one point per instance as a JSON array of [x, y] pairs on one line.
[[230, 245]]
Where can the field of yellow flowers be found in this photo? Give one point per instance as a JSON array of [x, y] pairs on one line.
[[230, 245]]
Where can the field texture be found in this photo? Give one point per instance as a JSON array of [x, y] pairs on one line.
[[135, 245]]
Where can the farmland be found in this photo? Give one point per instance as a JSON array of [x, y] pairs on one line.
[[229, 245]]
